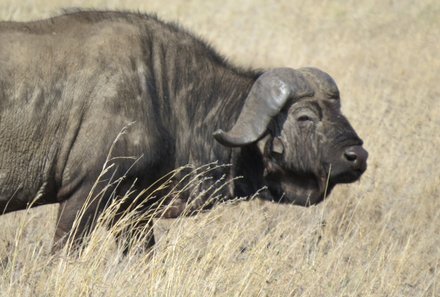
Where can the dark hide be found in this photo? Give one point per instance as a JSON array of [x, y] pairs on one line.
[[70, 84]]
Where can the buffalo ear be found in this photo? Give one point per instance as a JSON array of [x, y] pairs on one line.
[[277, 146], [267, 97]]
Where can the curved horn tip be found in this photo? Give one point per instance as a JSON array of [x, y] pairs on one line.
[[229, 140], [323, 80], [316, 72], [219, 135]]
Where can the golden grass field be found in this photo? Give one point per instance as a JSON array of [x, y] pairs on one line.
[[377, 237]]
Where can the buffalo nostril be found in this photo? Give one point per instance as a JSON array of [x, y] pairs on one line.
[[350, 156], [357, 157]]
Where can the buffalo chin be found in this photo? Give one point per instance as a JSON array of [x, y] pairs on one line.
[[304, 190], [346, 177]]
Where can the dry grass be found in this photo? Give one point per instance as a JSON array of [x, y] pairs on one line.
[[379, 237]]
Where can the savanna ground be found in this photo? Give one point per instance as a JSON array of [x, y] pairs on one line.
[[378, 237]]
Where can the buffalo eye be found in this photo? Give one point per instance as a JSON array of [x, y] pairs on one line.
[[304, 118]]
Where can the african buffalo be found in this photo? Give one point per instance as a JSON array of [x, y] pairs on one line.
[[69, 84]]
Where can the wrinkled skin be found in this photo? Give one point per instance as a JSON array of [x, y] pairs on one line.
[[70, 84], [314, 137], [313, 147]]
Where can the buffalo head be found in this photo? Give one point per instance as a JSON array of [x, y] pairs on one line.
[[307, 145]]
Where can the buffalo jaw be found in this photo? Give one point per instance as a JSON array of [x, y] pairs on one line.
[[295, 188], [306, 189]]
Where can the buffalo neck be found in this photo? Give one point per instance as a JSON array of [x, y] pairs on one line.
[[196, 92]]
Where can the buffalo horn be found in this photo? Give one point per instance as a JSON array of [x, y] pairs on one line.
[[266, 98]]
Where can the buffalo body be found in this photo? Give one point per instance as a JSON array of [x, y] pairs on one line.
[[69, 84]]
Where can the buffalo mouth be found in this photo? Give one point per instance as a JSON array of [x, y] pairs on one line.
[[306, 189], [298, 189], [347, 176]]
